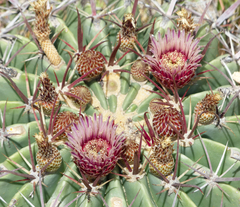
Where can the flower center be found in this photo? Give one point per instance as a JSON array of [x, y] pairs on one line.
[[97, 148], [173, 59]]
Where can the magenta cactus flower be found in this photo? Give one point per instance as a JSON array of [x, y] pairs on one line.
[[95, 146], [175, 58]]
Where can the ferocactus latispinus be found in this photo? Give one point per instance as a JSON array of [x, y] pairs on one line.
[[84, 95], [207, 108], [155, 105], [46, 152], [185, 21], [162, 159], [165, 119], [95, 145], [42, 31], [138, 69], [90, 60], [131, 147], [127, 32], [47, 95], [63, 119]]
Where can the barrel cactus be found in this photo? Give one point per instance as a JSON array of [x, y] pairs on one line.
[[103, 105]]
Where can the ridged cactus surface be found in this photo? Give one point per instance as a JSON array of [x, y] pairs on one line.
[[119, 104]]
